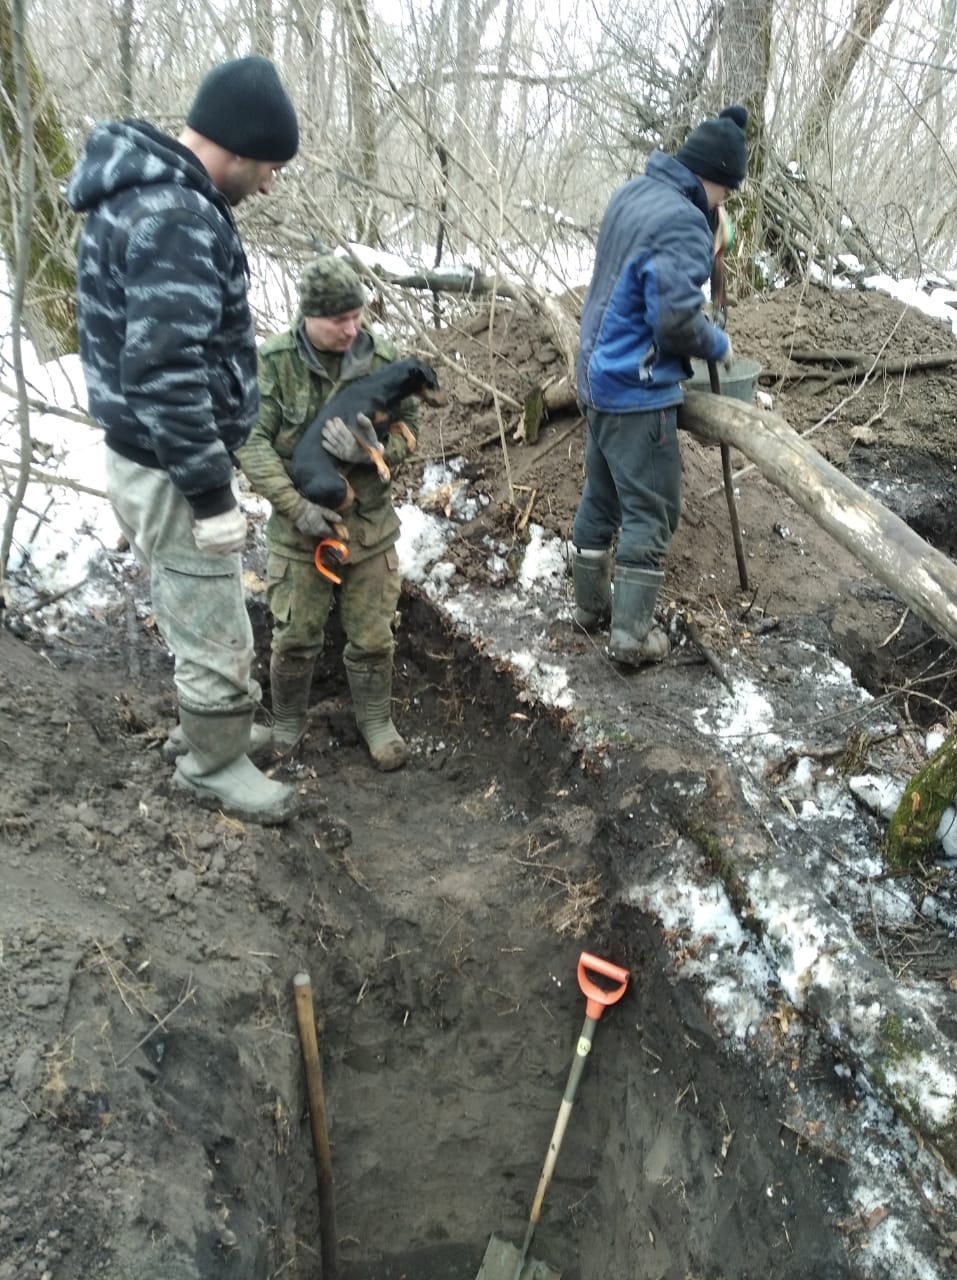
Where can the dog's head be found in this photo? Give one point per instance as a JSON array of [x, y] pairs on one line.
[[420, 380]]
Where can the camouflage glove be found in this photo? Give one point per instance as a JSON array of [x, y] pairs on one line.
[[340, 441], [221, 535], [312, 520]]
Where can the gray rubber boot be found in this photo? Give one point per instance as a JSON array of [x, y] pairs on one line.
[[371, 689], [290, 680], [634, 639], [217, 769], [591, 576], [260, 744]]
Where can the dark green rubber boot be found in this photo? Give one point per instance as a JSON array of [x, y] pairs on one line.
[[634, 639], [217, 770], [371, 689], [591, 577]]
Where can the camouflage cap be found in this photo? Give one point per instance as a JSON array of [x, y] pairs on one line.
[[330, 287]]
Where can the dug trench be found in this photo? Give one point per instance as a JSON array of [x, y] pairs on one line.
[[153, 1112]]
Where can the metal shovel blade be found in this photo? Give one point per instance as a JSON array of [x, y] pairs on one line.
[[501, 1259]]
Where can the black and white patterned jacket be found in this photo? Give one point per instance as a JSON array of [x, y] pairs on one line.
[[166, 337]]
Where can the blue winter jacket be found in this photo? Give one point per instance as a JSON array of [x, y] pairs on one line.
[[166, 336], [643, 314]]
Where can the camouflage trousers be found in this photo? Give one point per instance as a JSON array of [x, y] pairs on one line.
[[300, 599], [198, 599]]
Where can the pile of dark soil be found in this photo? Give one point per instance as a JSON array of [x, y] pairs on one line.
[[893, 434]]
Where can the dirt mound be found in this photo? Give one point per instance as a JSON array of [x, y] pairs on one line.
[[893, 433]]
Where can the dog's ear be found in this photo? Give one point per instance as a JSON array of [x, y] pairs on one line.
[[428, 375]]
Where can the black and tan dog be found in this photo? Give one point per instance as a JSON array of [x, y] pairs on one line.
[[370, 408]]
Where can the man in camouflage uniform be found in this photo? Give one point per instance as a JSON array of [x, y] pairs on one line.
[[327, 346], [169, 357]]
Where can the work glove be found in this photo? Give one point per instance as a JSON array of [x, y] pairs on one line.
[[727, 360], [221, 535], [313, 520], [341, 442]]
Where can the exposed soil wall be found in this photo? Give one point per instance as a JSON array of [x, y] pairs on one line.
[[153, 1110]]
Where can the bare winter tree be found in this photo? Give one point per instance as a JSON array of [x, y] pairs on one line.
[[361, 63], [493, 131], [21, 209], [840, 64], [48, 307]]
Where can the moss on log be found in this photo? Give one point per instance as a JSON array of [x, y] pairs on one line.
[[912, 833]]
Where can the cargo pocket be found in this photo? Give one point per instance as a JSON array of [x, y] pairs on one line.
[[372, 527], [295, 419], [278, 590], [201, 610]]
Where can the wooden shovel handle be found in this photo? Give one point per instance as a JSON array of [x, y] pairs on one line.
[[306, 1020]]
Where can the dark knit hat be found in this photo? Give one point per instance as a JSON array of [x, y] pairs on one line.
[[717, 149], [242, 106], [330, 287]]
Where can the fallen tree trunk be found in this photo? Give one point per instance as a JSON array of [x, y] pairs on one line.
[[861, 360], [923, 578], [912, 833], [542, 401]]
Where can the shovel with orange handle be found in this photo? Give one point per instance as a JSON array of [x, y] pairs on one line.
[[330, 554], [597, 999]]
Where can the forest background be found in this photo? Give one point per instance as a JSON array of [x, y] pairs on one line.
[[487, 135]]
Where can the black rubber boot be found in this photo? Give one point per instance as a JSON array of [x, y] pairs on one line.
[[371, 689], [290, 680], [634, 639], [591, 576], [218, 771]]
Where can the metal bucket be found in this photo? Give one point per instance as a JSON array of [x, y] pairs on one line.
[[738, 382]]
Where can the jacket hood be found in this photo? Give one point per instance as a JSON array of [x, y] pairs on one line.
[[120, 154], [665, 168]]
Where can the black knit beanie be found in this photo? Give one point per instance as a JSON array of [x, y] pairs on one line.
[[242, 106], [717, 149]]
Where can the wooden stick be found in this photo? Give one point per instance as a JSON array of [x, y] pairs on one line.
[[161, 1022], [305, 1018], [861, 361], [729, 491], [709, 655]]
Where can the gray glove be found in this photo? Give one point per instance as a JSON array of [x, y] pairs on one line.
[[313, 520], [221, 535], [727, 360], [341, 442]]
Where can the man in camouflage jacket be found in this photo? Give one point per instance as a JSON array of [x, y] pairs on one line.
[[327, 346], [169, 358]]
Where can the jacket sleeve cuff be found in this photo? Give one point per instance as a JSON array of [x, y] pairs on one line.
[[213, 503]]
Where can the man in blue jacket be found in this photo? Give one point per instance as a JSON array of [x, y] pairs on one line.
[[643, 318], [169, 357]]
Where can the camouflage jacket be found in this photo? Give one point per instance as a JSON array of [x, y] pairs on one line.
[[166, 336], [293, 388]]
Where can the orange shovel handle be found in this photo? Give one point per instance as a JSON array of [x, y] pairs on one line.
[[598, 998], [337, 552]]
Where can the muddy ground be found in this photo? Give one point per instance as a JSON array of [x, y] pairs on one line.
[[152, 1113]]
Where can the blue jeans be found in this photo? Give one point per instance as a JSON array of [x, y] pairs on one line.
[[632, 485]]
